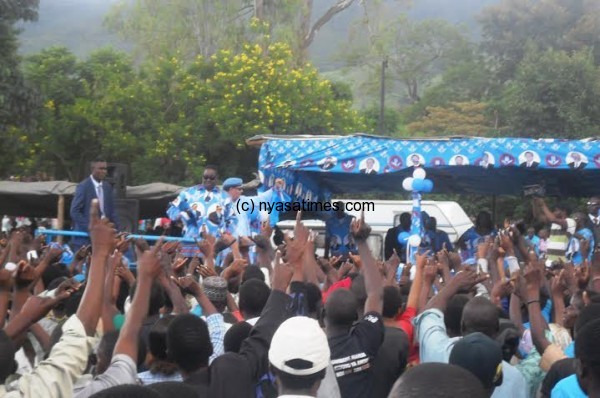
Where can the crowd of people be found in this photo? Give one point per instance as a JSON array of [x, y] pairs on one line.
[[508, 311]]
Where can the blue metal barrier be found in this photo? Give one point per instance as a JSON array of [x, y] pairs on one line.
[[58, 232]]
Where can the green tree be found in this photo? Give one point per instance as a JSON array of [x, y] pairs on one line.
[[168, 118], [469, 80], [457, 118], [511, 26], [17, 101], [259, 91], [553, 93], [202, 27]]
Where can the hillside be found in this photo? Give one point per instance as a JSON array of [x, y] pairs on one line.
[[77, 24]]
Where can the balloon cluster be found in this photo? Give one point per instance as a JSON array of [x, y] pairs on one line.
[[406, 238], [418, 182]]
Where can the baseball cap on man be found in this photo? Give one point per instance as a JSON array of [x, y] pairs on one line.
[[481, 356], [299, 347]]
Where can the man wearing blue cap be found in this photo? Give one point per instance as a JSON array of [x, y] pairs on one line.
[[194, 205], [242, 213]]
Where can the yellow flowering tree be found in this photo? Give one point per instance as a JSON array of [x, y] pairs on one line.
[[169, 118], [259, 90]]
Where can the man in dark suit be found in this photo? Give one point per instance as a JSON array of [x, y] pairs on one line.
[[577, 163], [593, 223], [369, 169], [530, 162], [93, 187]]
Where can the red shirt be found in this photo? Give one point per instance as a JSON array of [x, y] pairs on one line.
[[405, 323], [345, 283]]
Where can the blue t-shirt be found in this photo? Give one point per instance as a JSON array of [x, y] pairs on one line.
[[535, 242], [472, 239], [568, 388], [589, 236], [434, 240], [570, 350]]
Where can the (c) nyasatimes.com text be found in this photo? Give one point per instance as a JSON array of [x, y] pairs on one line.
[[304, 206]]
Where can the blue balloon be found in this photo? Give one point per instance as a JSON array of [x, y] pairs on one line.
[[403, 237], [427, 185], [418, 184]]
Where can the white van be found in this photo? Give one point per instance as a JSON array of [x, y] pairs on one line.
[[450, 216]]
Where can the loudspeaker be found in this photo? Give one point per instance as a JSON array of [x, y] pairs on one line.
[[128, 212], [117, 175]]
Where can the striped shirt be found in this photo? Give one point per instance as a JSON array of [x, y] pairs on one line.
[[558, 242]]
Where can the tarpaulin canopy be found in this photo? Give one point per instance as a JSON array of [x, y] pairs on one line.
[[314, 167], [40, 199]]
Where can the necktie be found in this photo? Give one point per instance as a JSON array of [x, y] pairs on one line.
[[100, 198]]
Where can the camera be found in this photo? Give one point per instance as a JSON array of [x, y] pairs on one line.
[[534, 191]]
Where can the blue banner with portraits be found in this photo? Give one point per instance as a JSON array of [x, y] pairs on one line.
[[314, 167]]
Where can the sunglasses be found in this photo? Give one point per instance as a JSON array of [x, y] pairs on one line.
[[209, 177]]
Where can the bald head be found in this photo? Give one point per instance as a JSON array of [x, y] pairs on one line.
[[480, 315], [450, 381]]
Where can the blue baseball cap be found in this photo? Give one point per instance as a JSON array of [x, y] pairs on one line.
[[232, 182]]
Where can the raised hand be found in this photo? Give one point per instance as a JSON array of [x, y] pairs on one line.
[[265, 229], [123, 243], [430, 272], [533, 277], [125, 274], [36, 307], [178, 263], [26, 275], [359, 229], [282, 273], [334, 261], [102, 232], [53, 253], [467, 279], [171, 248], [421, 260], [262, 242], [68, 287], [149, 265], [206, 272], [295, 246], [502, 289], [356, 260], [82, 253], [188, 283]]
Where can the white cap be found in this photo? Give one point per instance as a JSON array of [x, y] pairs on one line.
[[571, 226], [299, 337]]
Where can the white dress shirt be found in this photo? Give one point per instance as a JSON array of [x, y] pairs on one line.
[[99, 193]]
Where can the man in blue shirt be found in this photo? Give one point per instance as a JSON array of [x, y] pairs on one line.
[[338, 240], [436, 237], [533, 240], [582, 233], [475, 235], [193, 205], [242, 213]]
